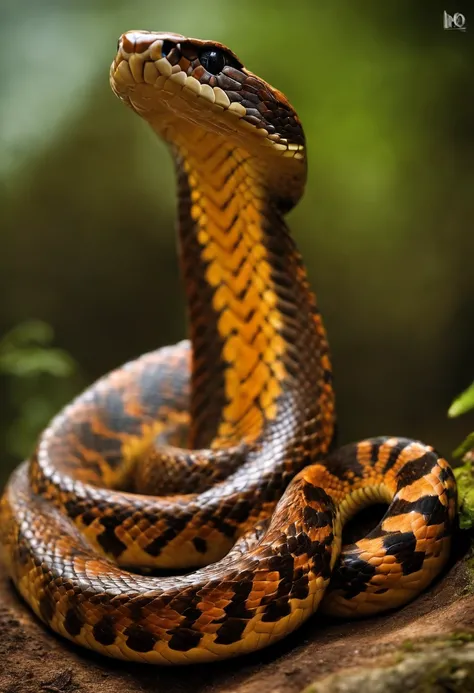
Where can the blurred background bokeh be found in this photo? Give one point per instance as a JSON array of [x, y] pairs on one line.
[[88, 265]]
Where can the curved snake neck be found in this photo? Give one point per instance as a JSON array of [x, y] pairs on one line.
[[217, 456], [253, 320]]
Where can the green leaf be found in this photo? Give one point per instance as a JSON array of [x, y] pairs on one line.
[[463, 403], [466, 446]]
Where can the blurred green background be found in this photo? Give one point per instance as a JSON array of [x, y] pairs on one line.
[[87, 201]]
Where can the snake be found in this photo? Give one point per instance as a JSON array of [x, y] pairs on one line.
[[188, 506]]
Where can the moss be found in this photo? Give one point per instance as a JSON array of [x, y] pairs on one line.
[[461, 637], [408, 646], [465, 481], [435, 667]]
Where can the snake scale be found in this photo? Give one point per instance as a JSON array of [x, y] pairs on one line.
[[217, 454]]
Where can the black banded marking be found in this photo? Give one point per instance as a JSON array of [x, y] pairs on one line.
[[394, 455], [353, 575], [320, 557], [375, 449], [242, 589], [344, 463], [315, 519], [446, 474], [218, 521], [176, 526], [108, 538], [316, 494], [416, 469], [300, 544], [430, 506], [402, 545], [279, 605]]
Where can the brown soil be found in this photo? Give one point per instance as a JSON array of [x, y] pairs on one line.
[[32, 660]]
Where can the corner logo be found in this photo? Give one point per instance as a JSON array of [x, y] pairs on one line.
[[454, 22]]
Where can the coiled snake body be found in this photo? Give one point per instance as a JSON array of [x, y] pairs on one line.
[[216, 454]]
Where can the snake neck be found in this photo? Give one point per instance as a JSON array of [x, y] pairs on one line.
[[253, 318]]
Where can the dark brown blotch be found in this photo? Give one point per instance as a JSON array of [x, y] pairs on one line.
[[315, 494], [73, 621], [200, 544], [139, 638], [230, 631], [276, 610], [184, 639], [314, 519], [47, 606], [104, 631], [300, 588]]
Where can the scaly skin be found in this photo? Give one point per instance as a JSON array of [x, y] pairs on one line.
[[217, 453]]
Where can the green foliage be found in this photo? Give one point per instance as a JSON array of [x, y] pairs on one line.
[[25, 352], [40, 379], [465, 483], [463, 403], [465, 451], [466, 446]]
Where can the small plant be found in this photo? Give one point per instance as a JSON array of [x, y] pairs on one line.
[[40, 379], [465, 452]]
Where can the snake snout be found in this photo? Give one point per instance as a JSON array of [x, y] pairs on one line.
[[137, 41]]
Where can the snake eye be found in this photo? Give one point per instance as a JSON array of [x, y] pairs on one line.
[[213, 61], [166, 47]]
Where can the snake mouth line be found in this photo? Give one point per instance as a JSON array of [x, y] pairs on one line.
[[144, 77]]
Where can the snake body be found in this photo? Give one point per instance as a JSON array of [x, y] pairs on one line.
[[216, 454]]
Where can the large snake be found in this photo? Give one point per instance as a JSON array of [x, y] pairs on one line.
[[217, 454]]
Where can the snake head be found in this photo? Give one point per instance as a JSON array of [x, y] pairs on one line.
[[187, 87]]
